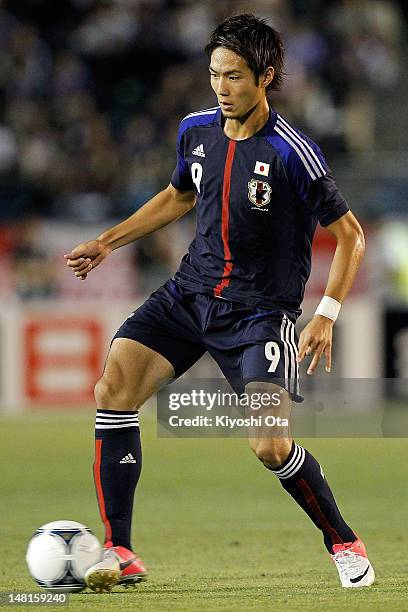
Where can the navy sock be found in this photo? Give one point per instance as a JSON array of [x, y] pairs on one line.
[[117, 467], [303, 478]]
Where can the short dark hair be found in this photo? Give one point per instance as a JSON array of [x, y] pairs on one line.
[[256, 41]]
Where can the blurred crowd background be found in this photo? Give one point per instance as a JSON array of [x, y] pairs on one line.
[[91, 95]]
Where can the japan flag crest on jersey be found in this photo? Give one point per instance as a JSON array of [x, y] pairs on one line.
[[261, 168]]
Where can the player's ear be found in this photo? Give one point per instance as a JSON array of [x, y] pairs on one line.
[[268, 76]]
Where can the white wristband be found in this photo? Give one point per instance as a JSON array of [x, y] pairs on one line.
[[328, 307]]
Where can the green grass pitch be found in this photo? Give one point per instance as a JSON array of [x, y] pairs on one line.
[[215, 529]]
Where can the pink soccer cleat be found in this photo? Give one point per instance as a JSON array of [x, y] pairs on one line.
[[118, 566], [355, 570]]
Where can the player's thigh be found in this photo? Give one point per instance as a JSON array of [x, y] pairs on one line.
[[157, 342], [270, 375], [270, 436], [167, 324], [133, 373]]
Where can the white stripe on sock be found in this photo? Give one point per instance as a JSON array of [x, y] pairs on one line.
[[110, 415], [97, 426], [99, 420], [295, 467], [291, 462]]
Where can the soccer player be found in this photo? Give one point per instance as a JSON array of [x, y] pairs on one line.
[[260, 187]]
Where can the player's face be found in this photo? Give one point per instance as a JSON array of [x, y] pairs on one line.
[[234, 83]]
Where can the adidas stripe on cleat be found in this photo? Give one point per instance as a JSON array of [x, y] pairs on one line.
[[355, 570], [118, 566]]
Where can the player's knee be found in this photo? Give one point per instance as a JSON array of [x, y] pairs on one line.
[[104, 393], [113, 397], [272, 452]]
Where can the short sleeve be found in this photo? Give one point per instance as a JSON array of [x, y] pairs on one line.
[[312, 180], [326, 201], [181, 177]]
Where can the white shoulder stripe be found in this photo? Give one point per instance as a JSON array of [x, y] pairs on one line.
[[207, 111], [305, 145], [288, 139], [302, 146]]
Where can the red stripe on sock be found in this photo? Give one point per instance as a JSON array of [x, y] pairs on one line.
[[317, 511], [226, 190], [99, 490]]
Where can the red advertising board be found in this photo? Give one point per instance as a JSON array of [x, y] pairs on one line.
[[62, 358]]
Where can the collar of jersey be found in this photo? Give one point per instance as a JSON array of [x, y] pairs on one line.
[[265, 130]]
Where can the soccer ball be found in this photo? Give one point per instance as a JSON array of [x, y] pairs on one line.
[[59, 553]]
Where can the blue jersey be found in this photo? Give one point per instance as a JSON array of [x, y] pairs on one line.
[[258, 204]]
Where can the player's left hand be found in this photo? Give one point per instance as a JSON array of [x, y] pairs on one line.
[[316, 339]]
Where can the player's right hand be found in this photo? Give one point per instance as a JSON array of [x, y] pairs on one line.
[[87, 256]]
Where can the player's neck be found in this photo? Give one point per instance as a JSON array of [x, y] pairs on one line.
[[248, 125]]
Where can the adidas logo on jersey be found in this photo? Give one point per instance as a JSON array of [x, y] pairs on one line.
[[128, 459], [199, 151]]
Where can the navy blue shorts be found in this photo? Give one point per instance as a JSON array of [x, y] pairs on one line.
[[248, 344]]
